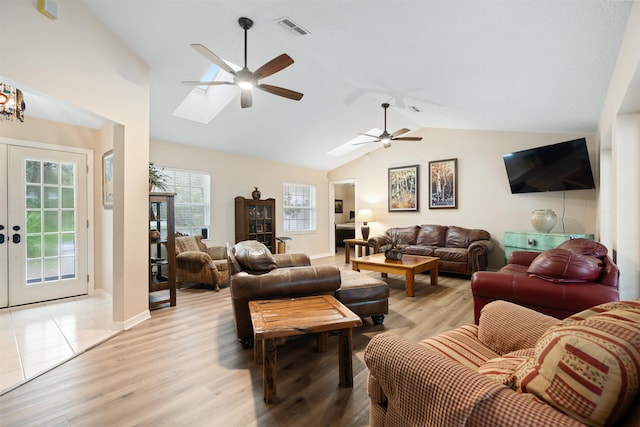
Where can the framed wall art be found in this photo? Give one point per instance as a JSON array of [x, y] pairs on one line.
[[338, 207], [443, 184], [403, 189], [107, 180]]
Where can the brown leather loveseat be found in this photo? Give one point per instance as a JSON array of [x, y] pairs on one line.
[[460, 250], [559, 282]]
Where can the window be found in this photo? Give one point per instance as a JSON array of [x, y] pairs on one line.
[[192, 206], [299, 207]]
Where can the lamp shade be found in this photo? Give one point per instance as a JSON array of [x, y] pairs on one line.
[[365, 215]]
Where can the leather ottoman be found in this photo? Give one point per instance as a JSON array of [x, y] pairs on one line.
[[364, 295]]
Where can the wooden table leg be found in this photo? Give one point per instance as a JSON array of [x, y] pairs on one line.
[[434, 274], [344, 354], [257, 351], [410, 284], [270, 370], [347, 252], [322, 342]]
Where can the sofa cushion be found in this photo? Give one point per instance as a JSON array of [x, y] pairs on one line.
[[254, 256], [585, 247], [452, 254], [588, 366], [406, 234], [189, 243], [419, 250], [431, 235], [459, 237], [501, 369], [564, 265]]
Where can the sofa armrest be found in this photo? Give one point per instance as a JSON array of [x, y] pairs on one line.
[[189, 259], [522, 257], [505, 327], [478, 251], [375, 242], [422, 387]]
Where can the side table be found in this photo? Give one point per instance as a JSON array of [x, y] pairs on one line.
[[356, 243]]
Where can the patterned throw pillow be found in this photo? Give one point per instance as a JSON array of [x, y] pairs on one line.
[[588, 365]]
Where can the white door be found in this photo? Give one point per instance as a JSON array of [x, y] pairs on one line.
[[46, 224], [4, 230]]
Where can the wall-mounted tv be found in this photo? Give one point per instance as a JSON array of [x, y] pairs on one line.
[[557, 167]]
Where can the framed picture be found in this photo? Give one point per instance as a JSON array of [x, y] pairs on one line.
[[338, 208], [259, 228], [403, 189], [107, 180], [443, 184]]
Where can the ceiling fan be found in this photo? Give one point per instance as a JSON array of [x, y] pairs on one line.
[[386, 137], [244, 78]]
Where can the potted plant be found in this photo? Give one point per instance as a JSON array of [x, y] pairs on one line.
[[156, 178], [394, 245]]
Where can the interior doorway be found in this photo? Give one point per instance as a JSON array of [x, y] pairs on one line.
[[343, 205]]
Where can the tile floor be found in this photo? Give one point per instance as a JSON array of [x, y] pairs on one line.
[[37, 337]]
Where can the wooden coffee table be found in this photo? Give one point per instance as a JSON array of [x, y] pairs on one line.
[[274, 320], [409, 265]]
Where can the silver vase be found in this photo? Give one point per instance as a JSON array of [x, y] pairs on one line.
[[543, 220]]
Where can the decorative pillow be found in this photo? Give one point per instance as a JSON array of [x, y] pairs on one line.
[[585, 247], [254, 256], [589, 368], [564, 266]]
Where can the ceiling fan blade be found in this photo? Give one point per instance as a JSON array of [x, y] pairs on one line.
[[213, 58], [280, 91], [246, 100], [400, 132], [364, 142], [408, 138], [276, 64], [376, 137], [211, 83]]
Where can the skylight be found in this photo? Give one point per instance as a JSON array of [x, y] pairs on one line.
[[352, 145], [204, 102]]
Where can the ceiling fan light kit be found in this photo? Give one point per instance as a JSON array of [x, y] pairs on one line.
[[246, 79], [385, 137]]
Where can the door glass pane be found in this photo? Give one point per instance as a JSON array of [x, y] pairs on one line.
[[51, 269], [51, 173], [67, 198], [32, 196], [68, 267], [50, 245], [34, 221], [34, 271], [50, 195], [68, 244], [68, 224], [50, 221], [34, 246], [33, 169], [67, 174]]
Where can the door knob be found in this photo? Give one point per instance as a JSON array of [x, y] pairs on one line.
[[1, 235], [16, 238]]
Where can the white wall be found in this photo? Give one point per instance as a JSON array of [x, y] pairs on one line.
[[484, 197], [619, 142], [233, 175], [77, 60]]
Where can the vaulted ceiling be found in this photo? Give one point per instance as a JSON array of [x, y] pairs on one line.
[[540, 66]]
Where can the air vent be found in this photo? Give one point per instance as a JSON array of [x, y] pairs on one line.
[[414, 108], [291, 26]]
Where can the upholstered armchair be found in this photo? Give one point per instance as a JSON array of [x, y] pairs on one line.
[[256, 274], [197, 263]]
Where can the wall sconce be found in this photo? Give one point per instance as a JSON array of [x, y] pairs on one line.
[[365, 215], [11, 103]]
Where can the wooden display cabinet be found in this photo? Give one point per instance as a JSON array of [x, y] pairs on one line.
[[256, 220], [162, 249]]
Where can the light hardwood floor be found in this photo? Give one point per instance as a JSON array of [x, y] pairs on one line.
[[184, 367]]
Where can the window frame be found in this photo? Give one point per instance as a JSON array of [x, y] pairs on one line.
[[169, 174], [312, 208]]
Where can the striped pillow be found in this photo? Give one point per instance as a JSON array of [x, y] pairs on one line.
[[588, 366]]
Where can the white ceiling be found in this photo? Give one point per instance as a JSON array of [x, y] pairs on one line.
[[541, 66]]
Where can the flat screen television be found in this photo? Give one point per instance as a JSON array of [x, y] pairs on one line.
[[557, 167]]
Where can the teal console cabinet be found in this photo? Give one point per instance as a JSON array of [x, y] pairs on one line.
[[534, 241]]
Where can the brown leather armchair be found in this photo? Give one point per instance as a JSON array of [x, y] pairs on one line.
[[197, 263], [560, 282], [256, 274]]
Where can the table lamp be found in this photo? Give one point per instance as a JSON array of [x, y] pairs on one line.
[[365, 215]]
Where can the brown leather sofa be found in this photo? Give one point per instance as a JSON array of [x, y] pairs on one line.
[[560, 282], [460, 250], [256, 274]]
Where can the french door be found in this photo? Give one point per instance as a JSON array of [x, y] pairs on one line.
[[43, 224]]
